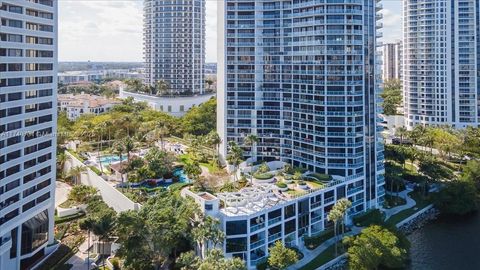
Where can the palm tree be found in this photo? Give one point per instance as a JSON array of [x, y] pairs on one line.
[[251, 140], [335, 216], [234, 157], [162, 131], [100, 130], [61, 159], [129, 146], [343, 205], [214, 140], [193, 170], [119, 149], [401, 132], [75, 173], [162, 87]]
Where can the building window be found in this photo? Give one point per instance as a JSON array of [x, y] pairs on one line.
[[34, 233]]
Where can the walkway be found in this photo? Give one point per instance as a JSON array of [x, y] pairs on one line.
[[78, 259], [309, 255], [410, 203]]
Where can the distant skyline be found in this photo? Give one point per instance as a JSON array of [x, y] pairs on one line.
[[111, 30]]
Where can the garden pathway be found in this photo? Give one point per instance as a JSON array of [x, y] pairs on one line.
[[410, 203]]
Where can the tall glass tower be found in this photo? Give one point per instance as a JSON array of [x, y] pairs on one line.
[[28, 116], [303, 76], [174, 44], [441, 62]]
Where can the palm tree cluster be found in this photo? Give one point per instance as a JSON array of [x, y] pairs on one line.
[[337, 215]]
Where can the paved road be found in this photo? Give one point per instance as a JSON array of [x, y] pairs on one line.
[[61, 192]]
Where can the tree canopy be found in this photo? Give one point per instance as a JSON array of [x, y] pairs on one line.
[[374, 247], [457, 198], [281, 257], [159, 229], [392, 96]]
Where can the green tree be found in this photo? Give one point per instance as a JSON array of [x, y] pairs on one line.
[[471, 172], [82, 193], [150, 236], [457, 198], [433, 171], [335, 216], [234, 157], [193, 170], [215, 260], [75, 173], [445, 141], [281, 257], [374, 247], [251, 140], [200, 120], [392, 96], [162, 88], [205, 232]]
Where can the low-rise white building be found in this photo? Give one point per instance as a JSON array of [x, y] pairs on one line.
[[255, 217], [77, 105], [175, 105]]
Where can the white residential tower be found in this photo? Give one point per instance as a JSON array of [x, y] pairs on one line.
[[28, 115]]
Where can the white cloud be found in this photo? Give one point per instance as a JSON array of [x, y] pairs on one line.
[[112, 30], [392, 23]]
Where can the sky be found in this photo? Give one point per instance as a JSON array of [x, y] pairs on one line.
[[111, 30]]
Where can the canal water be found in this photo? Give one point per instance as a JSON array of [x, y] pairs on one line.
[[447, 245]]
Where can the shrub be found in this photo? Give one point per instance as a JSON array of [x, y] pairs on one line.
[[115, 263], [68, 218], [321, 176], [301, 183], [263, 168], [95, 170], [281, 185], [314, 241], [263, 176]]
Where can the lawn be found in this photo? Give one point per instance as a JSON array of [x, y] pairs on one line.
[[324, 257], [421, 203]]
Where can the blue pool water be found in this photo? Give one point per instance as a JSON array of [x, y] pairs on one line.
[[179, 173], [111, 159], [182, 177]]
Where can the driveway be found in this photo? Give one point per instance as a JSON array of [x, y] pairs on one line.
[[61, 192]]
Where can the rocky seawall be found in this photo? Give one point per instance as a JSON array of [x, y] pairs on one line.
[[419, 221]]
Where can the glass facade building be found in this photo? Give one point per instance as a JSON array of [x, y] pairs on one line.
[[302, 75], [441, 67], [174, 44], [28, 116]]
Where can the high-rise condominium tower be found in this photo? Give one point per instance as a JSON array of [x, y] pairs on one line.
[[441, 62], [303, 77], [28, 114], [174, 39], [392, 61]]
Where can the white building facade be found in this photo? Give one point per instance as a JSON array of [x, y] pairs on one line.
[[392, 61], [174, 44], [28, 115], [304, 77], [173, 105], [441, 62]]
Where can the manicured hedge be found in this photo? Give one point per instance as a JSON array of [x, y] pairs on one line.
[[263, 176], [281, 185], [68, 218]]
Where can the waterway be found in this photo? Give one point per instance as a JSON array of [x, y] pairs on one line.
[[447, 245]]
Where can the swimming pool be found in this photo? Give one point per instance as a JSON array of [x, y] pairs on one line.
[[109, 159], [182, 177]]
